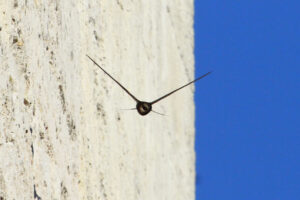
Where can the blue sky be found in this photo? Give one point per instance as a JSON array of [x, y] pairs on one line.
[[247, 110]]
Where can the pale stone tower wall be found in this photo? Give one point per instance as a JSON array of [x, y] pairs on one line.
[[63, 133]]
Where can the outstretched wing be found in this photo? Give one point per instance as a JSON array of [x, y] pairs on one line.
[[114, 79], [157, 100]]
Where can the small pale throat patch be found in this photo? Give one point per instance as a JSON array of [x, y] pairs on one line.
[[143, 107]]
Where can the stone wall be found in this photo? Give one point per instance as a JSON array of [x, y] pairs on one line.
[[64, 133]]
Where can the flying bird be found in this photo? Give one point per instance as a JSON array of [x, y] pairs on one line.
[[143, 107]]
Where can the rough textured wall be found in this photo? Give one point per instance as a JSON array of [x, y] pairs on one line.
[[63, 133]]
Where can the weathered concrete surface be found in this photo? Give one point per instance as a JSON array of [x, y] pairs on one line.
[[63, 133]]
